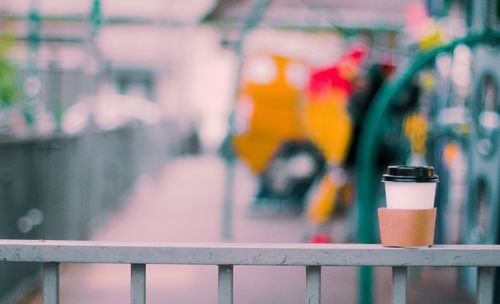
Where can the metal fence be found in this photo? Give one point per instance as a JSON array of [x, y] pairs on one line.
[[226, 255]]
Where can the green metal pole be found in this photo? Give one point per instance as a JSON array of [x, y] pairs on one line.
[[367, 181], [32, 83], [95, 20], [89, 142], [95, 17]]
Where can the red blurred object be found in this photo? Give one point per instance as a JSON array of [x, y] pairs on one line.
[[321, 238], [338, 76]]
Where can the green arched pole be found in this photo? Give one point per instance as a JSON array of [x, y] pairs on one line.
[[367, 179]]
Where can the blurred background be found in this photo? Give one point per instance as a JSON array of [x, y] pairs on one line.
[[245, 121]]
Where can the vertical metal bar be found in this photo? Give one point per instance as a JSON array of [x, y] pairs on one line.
[[313, 284], [365, 285], [479, 17], [50, 283], [225, 284], [138, 284], [227, 207], [399, 274], [485, 285], [251, 20]]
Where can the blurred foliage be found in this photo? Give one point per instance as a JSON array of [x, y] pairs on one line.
[[9, 86]]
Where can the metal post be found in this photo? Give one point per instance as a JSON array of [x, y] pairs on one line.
[[138, 284], [93, 65], [225, 284], [313, 284], [485, 285], [366, 220], [479, 17], [251, 21], [399, 275], [365, 285], [227, 208], [32, 84], [50, 283]]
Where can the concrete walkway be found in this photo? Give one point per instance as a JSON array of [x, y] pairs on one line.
[[185, 204]]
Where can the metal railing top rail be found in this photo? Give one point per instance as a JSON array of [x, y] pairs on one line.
[[247, 254]]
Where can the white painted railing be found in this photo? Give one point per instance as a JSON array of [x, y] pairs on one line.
[[226, 255]]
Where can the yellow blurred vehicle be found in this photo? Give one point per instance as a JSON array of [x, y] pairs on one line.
[[267, 108], [291, 124]]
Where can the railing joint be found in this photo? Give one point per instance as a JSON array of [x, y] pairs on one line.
[[485, 282], [138, 283], [313, 284], [51, 283], [225, 284], [399, 283]]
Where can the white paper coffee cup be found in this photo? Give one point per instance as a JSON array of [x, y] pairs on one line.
[[410, 187]]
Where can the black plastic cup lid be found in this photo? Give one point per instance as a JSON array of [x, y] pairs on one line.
[[410, 174]]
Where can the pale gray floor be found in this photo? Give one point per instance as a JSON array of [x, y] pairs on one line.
[[184, 204]]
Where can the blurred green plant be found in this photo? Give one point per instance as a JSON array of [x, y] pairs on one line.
[[10, 88]]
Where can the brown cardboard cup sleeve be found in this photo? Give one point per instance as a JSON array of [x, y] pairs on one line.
[[407, 227]]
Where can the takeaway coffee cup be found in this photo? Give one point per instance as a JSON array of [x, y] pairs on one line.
[[410, 187], [410, 216]]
